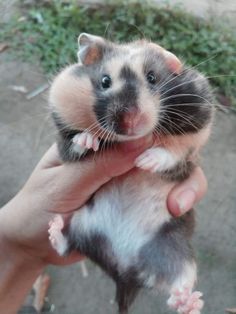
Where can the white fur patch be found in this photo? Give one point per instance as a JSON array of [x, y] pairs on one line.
[[187, 278], [127, 212]]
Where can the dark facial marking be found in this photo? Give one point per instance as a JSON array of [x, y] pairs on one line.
[[114, 105], [179, 113], [128, 75], [187, 107], [154, 64]]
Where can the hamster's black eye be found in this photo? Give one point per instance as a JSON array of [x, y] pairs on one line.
[[106, 81], [151, 78]]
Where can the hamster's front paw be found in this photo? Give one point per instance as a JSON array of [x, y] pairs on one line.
[[186, 302], [84, 141], [156, 159]]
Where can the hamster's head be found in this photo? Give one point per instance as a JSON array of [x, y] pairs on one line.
[[125, 91]]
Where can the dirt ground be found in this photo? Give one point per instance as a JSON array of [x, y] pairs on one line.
[[26, 132]]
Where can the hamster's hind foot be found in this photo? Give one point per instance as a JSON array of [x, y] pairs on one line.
[[56, 237], [186, 302]]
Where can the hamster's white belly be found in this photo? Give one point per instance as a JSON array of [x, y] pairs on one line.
[[127, 211]]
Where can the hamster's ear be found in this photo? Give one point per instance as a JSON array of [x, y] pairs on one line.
[[173, 63], [91, 48]]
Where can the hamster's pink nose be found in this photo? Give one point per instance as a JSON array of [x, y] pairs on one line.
[[132, 120]]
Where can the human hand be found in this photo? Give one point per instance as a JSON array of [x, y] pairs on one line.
[[185, 195], [57, 187]]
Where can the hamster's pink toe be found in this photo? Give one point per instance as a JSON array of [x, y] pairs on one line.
[[186, 302]]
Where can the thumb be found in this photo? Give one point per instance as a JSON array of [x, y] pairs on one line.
[[184, 195]]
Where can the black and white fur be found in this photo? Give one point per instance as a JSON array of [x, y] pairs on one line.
[[126, 227]]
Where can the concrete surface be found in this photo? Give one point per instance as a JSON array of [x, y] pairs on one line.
[[225, 9], [25, 133], [220, 9]]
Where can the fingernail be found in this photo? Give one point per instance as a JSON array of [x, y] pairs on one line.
[[186, 200]]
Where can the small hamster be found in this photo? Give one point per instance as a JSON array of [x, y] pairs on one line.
[[118, 92]]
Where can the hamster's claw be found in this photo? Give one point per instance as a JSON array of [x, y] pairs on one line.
[[86, 140], [186, 302]]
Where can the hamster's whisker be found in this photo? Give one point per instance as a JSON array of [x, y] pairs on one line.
[[183, 95], [85, 93], [187, 70], [175, 107], [91, 127], [166, 118], [184, 117], [160, 128], [104, 130], [190, 104], [104, 143], [112, 129], [109, 139], [171, 137], [175, 127], [101, 132], [98, 134], [194, 80], [106, 31], [95, 125], [139, 30]]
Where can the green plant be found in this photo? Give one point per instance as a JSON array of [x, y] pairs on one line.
[[49, 33]]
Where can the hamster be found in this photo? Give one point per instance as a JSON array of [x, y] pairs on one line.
[[118, 92]]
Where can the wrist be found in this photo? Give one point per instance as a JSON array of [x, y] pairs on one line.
[[14, 243], [16, 255], [18, 271]]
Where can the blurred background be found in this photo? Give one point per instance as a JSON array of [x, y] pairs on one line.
[[38, 38]]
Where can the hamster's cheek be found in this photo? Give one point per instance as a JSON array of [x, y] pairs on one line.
[[149, 106], [71, 96]]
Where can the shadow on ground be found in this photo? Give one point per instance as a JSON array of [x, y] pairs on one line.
[[25, 133]]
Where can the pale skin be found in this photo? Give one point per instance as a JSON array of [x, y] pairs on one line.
[[55, 187]]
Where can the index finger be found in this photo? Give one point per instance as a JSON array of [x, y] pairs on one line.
[[51, 158]]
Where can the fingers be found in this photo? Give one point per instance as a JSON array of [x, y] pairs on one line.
[[185, 195], [72, 184], [100, 168]]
